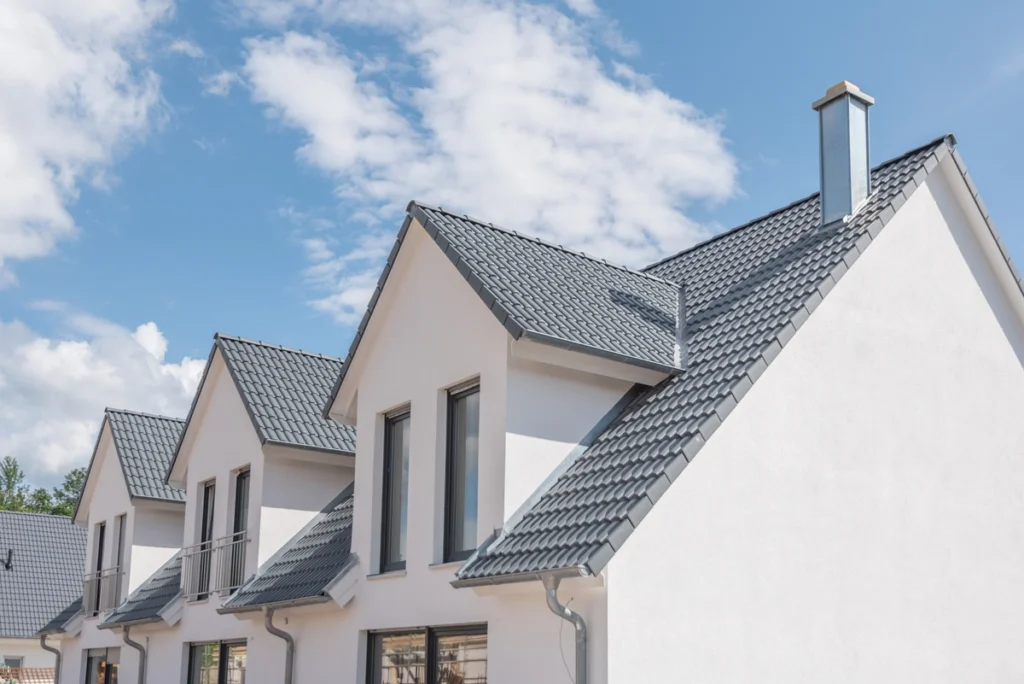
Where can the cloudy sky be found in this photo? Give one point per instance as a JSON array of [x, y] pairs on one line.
[[172, 169]]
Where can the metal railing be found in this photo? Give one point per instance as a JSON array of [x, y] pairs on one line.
[[101, 590], [230, 552], [214, 566], [196, 563]]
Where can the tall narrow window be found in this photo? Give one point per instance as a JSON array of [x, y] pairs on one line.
[[460, 511], [116, 573], [396, 492], [236, 558], [206, 537], [94, 585]]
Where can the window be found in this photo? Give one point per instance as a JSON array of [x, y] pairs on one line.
[[235, 558], [217, 663], [93, 585], [206, 537], [101, 665], [461, 486], [13, 661], [395, 505], [433, 656]]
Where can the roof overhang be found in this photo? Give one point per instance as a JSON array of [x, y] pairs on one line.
[[104, 441]]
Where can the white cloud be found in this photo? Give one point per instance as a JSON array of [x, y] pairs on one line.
[[187, 48], [74, 88], [513, 118], [220, 83], [55, 389]]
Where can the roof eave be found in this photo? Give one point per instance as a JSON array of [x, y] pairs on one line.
[[276, 605], [519, 577]]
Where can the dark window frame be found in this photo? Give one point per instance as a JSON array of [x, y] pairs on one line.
[[375, 640], [239, 526], [388, 563], [452, 522], [222, 658], [209, 503]]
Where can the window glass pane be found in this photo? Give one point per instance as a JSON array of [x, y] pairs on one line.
[[205, 664], [402, 658], [463, 460], [12, 662], [236, 663], [461, 659], [396, 481]]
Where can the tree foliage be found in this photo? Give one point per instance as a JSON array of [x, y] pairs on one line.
[[17, 495]]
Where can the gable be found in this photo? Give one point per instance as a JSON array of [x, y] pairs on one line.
[[218, 422], [104, 474], [879, 455], [425, 314]]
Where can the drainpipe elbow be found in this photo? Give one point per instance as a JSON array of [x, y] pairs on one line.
[[57, 657], [289, 642], [142, 654], [578, 623]]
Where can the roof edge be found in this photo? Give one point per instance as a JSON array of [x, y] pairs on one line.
[[599, 557], [191, 412], [949, 138]]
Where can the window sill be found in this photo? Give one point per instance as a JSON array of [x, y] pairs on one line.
[[447, 565], [197, 601], [386, 575]]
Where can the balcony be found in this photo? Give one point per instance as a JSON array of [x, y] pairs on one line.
[[214, 566], [196, 563], [230, 552], [101, 590]]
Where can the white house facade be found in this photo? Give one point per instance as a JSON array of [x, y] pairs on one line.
[[786, 454]]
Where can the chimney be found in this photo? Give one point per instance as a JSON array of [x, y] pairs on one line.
[[843, 138]]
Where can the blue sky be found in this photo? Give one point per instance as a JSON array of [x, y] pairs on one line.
[[272, 144]]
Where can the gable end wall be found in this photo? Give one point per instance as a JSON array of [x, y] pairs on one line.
[[858, 517]]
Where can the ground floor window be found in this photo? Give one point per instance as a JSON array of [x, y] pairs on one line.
[[13, 661], [221, 662], [101, 665], [429, 656]]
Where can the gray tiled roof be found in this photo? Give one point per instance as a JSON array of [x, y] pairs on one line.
[[307, 565], [748, 291], [546, 293], [284, 391], [151, 597], [145, 444], [47, 554], [56, 625]]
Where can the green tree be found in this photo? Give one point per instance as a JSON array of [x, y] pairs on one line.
[[14, 493], [65, 497]]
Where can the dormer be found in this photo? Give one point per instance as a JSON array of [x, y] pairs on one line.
[[134, 519], [484, 362], [257, 459]]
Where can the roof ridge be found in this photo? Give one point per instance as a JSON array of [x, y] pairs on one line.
[[947, 137], [130, 412], [279, 347], [541, 241]]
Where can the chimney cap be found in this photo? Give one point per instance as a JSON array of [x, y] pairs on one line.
[[840, 89]]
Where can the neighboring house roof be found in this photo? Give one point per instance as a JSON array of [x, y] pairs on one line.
[[748, 290], [47, 559], [144, 444], [284, 391], [150, 598], [546, 293], [307, 566], [56, 625]]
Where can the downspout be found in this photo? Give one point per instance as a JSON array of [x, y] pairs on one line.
[[289, 640], [551, 592], [56, 653], [142, 654]]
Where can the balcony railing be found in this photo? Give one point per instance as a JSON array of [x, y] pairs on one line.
[[230, 552], [101, 590], [214, 566], [196, 562]]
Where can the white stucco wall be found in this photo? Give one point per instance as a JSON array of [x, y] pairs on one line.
[[550, 410], [157, 533], [28, 650], [858, 517]]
